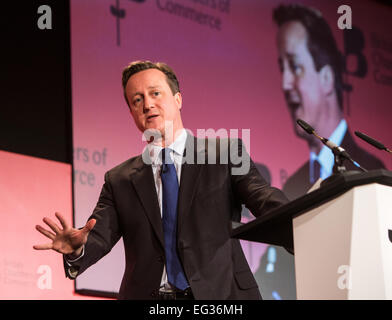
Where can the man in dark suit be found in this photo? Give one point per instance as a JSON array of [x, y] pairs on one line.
[[172, 205], [311, 67]]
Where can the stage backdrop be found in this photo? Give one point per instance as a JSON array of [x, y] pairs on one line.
[[225, 56], [26, 196]]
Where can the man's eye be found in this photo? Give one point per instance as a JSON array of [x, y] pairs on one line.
[[156, 93], [296, 69], [137, 101]]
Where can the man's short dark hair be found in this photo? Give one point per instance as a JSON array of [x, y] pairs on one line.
[[137, 66], [320, 41]]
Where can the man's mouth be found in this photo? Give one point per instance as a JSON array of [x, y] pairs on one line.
[[293, 105], [293, 100], [152, 116]]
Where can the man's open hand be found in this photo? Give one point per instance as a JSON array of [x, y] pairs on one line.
[[67, 240]]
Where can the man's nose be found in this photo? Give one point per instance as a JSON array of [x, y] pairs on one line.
[[148, 104], [287, 79]]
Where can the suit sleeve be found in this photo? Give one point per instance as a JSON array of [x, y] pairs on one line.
[[248, 185], [103, 236]]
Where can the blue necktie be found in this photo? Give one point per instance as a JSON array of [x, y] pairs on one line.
[[175, 273]]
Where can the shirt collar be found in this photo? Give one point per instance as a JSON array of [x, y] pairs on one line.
[[178, 146], [326, 157]]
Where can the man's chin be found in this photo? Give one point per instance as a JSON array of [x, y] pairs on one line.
[[301, 132], [159, 127]]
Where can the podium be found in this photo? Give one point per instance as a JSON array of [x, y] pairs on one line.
[[341, 234]]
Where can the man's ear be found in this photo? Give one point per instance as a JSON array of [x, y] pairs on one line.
[[178, 100], [327, 79]]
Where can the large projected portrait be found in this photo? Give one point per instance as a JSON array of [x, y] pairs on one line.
[[312, 83]]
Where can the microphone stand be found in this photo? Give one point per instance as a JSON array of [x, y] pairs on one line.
[[339, 169], [338, 166]]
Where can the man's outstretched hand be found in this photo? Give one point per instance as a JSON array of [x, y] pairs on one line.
[[67, 240]]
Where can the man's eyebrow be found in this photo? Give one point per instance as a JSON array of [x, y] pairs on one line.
[[149, 87], [288, 55]]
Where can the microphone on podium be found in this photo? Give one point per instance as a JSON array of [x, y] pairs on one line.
[[338, 151], [372, 141]]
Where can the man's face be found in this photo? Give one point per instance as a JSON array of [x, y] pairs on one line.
[[152, 101], [300, 80]]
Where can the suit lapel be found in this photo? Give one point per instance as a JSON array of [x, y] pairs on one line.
[[190, 173], [143, 181]]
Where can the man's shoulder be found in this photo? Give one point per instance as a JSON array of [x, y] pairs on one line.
[[219, 142], [126, 166], [218, 147]]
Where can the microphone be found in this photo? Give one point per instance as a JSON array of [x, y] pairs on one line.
[[306, 127], [372, 141], [337, 150]]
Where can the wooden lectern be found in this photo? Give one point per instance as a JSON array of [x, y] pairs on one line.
[[341, 234]]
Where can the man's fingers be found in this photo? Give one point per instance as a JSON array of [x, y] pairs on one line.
[[63, 222], [45, 232], [45, 246], [52, 225]]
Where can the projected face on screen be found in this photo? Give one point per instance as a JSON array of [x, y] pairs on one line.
[[311, 68], [301, 83], [152, 102]]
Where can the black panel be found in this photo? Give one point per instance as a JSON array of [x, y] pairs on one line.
[[35, 116]]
